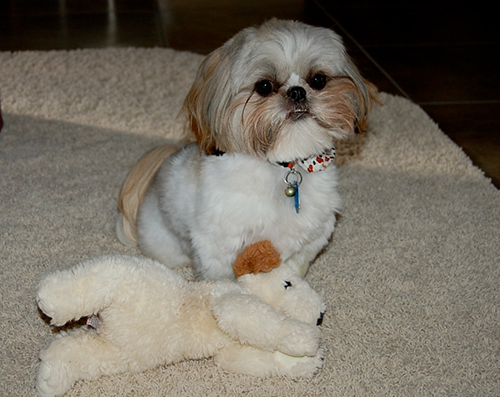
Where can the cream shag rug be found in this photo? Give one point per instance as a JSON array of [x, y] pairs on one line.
[[411, 276]]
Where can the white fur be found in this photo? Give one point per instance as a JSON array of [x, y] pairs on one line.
[[206, 208], [152, 316], [214, 206]]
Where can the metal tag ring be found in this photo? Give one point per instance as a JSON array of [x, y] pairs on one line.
[[296, 174]]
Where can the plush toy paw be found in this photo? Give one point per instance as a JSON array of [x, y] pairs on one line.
[[54, 300], [49, 381], [251, 361], [301, 366], [66, 360], [301, 340], [43, 384]]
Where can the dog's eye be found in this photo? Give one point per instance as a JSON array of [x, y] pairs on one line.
[[318, 81], [264, 87], [287, 284]]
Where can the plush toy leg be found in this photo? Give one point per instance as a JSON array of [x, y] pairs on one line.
[[91, 286], [241, 316], [249, 360], [77, 292], [75, 355]]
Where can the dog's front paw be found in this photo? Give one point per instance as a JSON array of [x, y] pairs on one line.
[[301, 339]]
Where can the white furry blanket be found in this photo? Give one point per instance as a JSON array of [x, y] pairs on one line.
[[411, 277]]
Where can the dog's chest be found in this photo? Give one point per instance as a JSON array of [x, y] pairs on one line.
[[249, 197]]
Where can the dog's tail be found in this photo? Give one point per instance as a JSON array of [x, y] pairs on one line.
[[134, 189]]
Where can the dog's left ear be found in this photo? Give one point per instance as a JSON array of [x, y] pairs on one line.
[[258, 257], [365, 95], [368, 97], [347, 100], [351, 96]]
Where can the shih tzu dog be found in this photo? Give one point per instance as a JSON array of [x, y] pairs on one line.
[[265, 109]]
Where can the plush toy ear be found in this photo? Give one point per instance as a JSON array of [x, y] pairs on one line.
[[258, 257]]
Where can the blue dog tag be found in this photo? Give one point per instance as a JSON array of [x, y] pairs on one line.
[[297, 197]]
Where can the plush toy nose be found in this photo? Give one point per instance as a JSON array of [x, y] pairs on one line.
[[297, 94], [320, 319]]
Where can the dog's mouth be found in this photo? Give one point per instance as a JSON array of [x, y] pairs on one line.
[[299, 113]]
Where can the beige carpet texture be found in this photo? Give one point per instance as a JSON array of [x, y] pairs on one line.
[[411, 277]]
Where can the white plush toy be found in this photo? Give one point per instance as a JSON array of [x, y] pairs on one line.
[[264, 324]]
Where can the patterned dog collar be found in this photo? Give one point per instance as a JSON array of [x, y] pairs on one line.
[[310, 164], [313, 163]]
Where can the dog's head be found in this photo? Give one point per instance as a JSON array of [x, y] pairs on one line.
[[260, 271], [282, 91]]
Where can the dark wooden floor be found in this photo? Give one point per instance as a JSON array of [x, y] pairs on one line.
[[441, 55]]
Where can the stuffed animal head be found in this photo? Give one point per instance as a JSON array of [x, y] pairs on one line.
[[259, 270]]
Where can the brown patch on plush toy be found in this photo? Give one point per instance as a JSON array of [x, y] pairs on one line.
[[258, 257]]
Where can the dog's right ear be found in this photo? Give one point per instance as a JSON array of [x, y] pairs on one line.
[[199, 103]]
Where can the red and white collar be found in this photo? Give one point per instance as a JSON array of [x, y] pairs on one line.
[[314, 163], [311, 164]]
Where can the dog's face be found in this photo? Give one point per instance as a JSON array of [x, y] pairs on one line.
[[282, 91]]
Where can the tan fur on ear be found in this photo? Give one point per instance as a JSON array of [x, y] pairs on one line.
[[198, 100], [136, 184], [351, 146], [258, 257], [372, 97], [349, 103]]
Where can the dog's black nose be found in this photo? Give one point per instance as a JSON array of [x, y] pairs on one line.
[[320, 319], [297, 94]]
